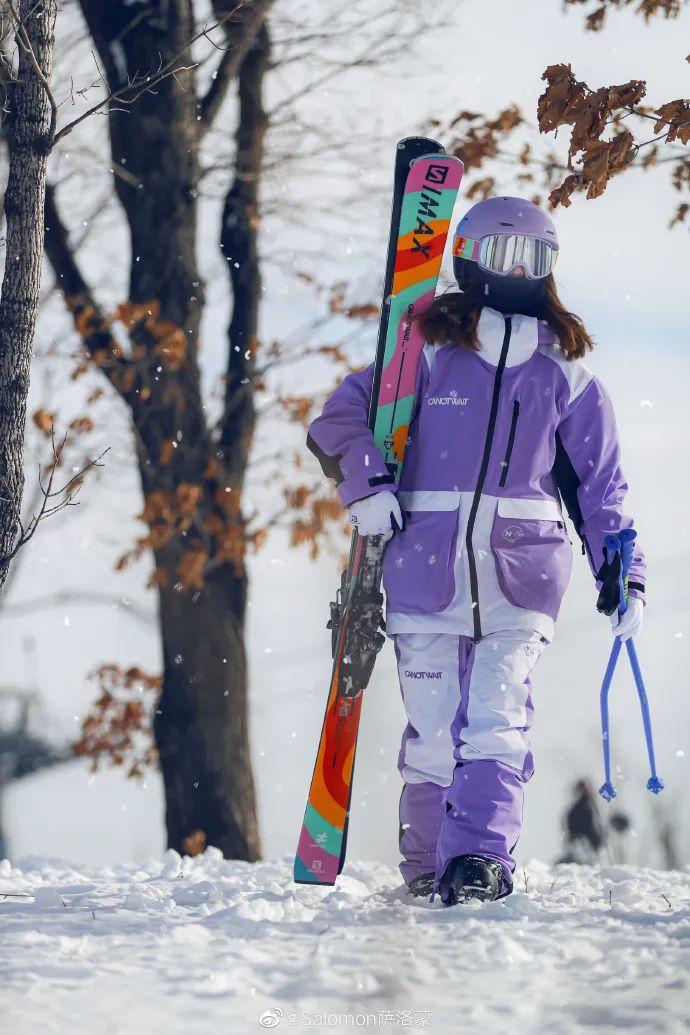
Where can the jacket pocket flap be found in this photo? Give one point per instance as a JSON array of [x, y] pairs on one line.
[[429, 499], [529, 510]]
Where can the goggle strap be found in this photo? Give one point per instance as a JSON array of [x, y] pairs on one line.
[[466, 248]]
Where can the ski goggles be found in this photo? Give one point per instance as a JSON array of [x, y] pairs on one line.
[[501, 253]]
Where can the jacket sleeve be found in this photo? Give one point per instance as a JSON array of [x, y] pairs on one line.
[[343, 443], [589, 477]]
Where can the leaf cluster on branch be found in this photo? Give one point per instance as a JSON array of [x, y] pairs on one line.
[[596, 18], [118, 728], [479, 136], [313, 516], [593, 158], [588, 113]]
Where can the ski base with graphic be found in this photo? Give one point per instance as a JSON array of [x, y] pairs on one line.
[[426, 186]]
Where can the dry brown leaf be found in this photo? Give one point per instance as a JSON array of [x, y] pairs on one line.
[[44, 421], [165, 454], [191, 568], [675, 115]]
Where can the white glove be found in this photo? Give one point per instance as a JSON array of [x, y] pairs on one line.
[[377, 514], [629, 624]]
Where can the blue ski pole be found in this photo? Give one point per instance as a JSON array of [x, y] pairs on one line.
[[654, 784], [612, 547]]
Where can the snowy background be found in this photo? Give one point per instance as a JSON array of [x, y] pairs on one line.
[[626, 274]]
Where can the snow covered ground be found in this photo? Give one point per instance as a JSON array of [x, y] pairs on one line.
[[204, 945]]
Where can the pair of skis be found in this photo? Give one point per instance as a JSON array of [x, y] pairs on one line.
[[426, 186]]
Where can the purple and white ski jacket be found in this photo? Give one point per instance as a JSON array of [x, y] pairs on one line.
[[498, 440]]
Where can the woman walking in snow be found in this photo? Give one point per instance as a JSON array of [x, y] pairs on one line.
[[508, 425]]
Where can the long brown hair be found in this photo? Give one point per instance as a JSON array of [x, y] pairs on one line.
[[453, 317]]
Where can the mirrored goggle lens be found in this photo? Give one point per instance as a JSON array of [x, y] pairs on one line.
[[500, 253]]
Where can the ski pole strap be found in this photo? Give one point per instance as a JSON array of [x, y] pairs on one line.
[[614, 544], [608, 576]]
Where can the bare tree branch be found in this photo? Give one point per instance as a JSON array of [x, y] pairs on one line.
[[88, 317], [65, 495], [239, 34], [25, 43], [145, 81], [67, 597]]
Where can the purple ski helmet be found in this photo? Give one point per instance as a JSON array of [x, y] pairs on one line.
[[493, 238], [502, 233]]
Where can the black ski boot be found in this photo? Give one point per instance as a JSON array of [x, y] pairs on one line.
[[472, 876], [421, 886]]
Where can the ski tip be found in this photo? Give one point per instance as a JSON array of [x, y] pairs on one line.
[[303, 875], [315, 883], [421, 142]]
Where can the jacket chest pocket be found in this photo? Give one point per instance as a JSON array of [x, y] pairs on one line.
[[418, 565], [532, 553]]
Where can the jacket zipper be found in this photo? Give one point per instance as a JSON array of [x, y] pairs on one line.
[[511, 443], [488, 442]]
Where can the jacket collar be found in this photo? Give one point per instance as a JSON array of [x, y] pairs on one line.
[[524, 337]]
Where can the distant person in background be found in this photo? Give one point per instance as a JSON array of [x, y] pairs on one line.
[[666, 816], [586, 833], [621, 827]]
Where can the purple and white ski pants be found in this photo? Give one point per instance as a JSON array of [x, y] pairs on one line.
[[465, 755]]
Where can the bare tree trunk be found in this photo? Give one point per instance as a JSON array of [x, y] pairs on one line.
[[239, 244], [201, 720], [29, 139], [201, 724]]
